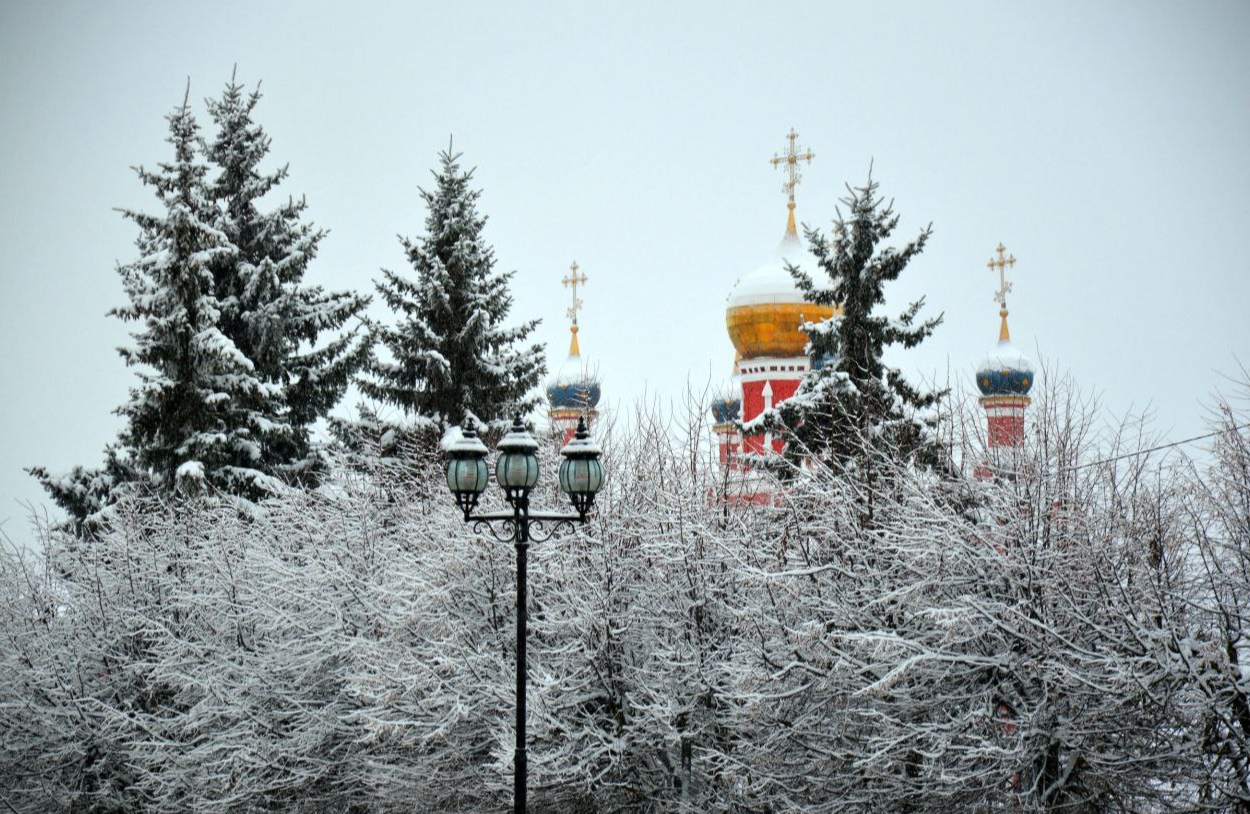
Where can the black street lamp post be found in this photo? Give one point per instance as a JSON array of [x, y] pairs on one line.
[[516, 470]]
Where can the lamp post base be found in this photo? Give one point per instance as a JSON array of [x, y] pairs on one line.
[[519, 803]]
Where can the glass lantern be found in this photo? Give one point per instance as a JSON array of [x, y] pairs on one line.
[[516, 469], [581, 473], [467, 474]]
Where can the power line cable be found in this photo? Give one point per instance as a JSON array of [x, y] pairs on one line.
[[1182, 442]]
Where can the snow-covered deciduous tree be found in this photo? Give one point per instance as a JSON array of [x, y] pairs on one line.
[[1066, 637], [944, 664], [451, 350], [1211, 655], [265, 309]]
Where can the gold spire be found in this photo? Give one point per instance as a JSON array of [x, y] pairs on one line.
[[791, 159], [1001, 264], [573, 281]]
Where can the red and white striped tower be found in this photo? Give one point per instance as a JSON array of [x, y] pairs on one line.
[[1004, 379], [763, 317]]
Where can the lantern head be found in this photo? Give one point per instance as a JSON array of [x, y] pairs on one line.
[[516, 469], [581, 473], [467, 474]]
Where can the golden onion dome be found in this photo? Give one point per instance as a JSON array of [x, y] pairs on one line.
[[766, 308]]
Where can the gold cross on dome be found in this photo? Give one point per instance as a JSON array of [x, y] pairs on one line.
[[1001, 264], [574, 280], [791, 159]]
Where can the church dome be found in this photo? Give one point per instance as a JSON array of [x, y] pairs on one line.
[[1005, 371], [766, 308], [574, 385], [726, 409]]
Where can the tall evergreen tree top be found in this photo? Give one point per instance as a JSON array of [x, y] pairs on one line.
[[184, 361], [273, 317], [231, 375], [852, 403], [451, 351], [191, 374]]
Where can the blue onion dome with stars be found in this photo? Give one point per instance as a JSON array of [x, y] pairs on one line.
[[574, 385], [1005, 371], [726, 409]]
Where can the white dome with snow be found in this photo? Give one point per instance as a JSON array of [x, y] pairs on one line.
[[771, 282], [1006, 356], [1005, 371]]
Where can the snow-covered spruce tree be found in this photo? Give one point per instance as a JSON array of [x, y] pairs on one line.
[[264, 309], [187, 415], [855, 404], [83, 492], [232, 377], [451, 351]]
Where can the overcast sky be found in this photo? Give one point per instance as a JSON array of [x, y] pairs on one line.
[[1104, 143]]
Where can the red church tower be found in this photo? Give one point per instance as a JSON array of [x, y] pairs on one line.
[[763, 317], [1004, 379]]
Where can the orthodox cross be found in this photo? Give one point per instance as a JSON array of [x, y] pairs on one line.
[[1001, 265], [574, 280], [790, 159]]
